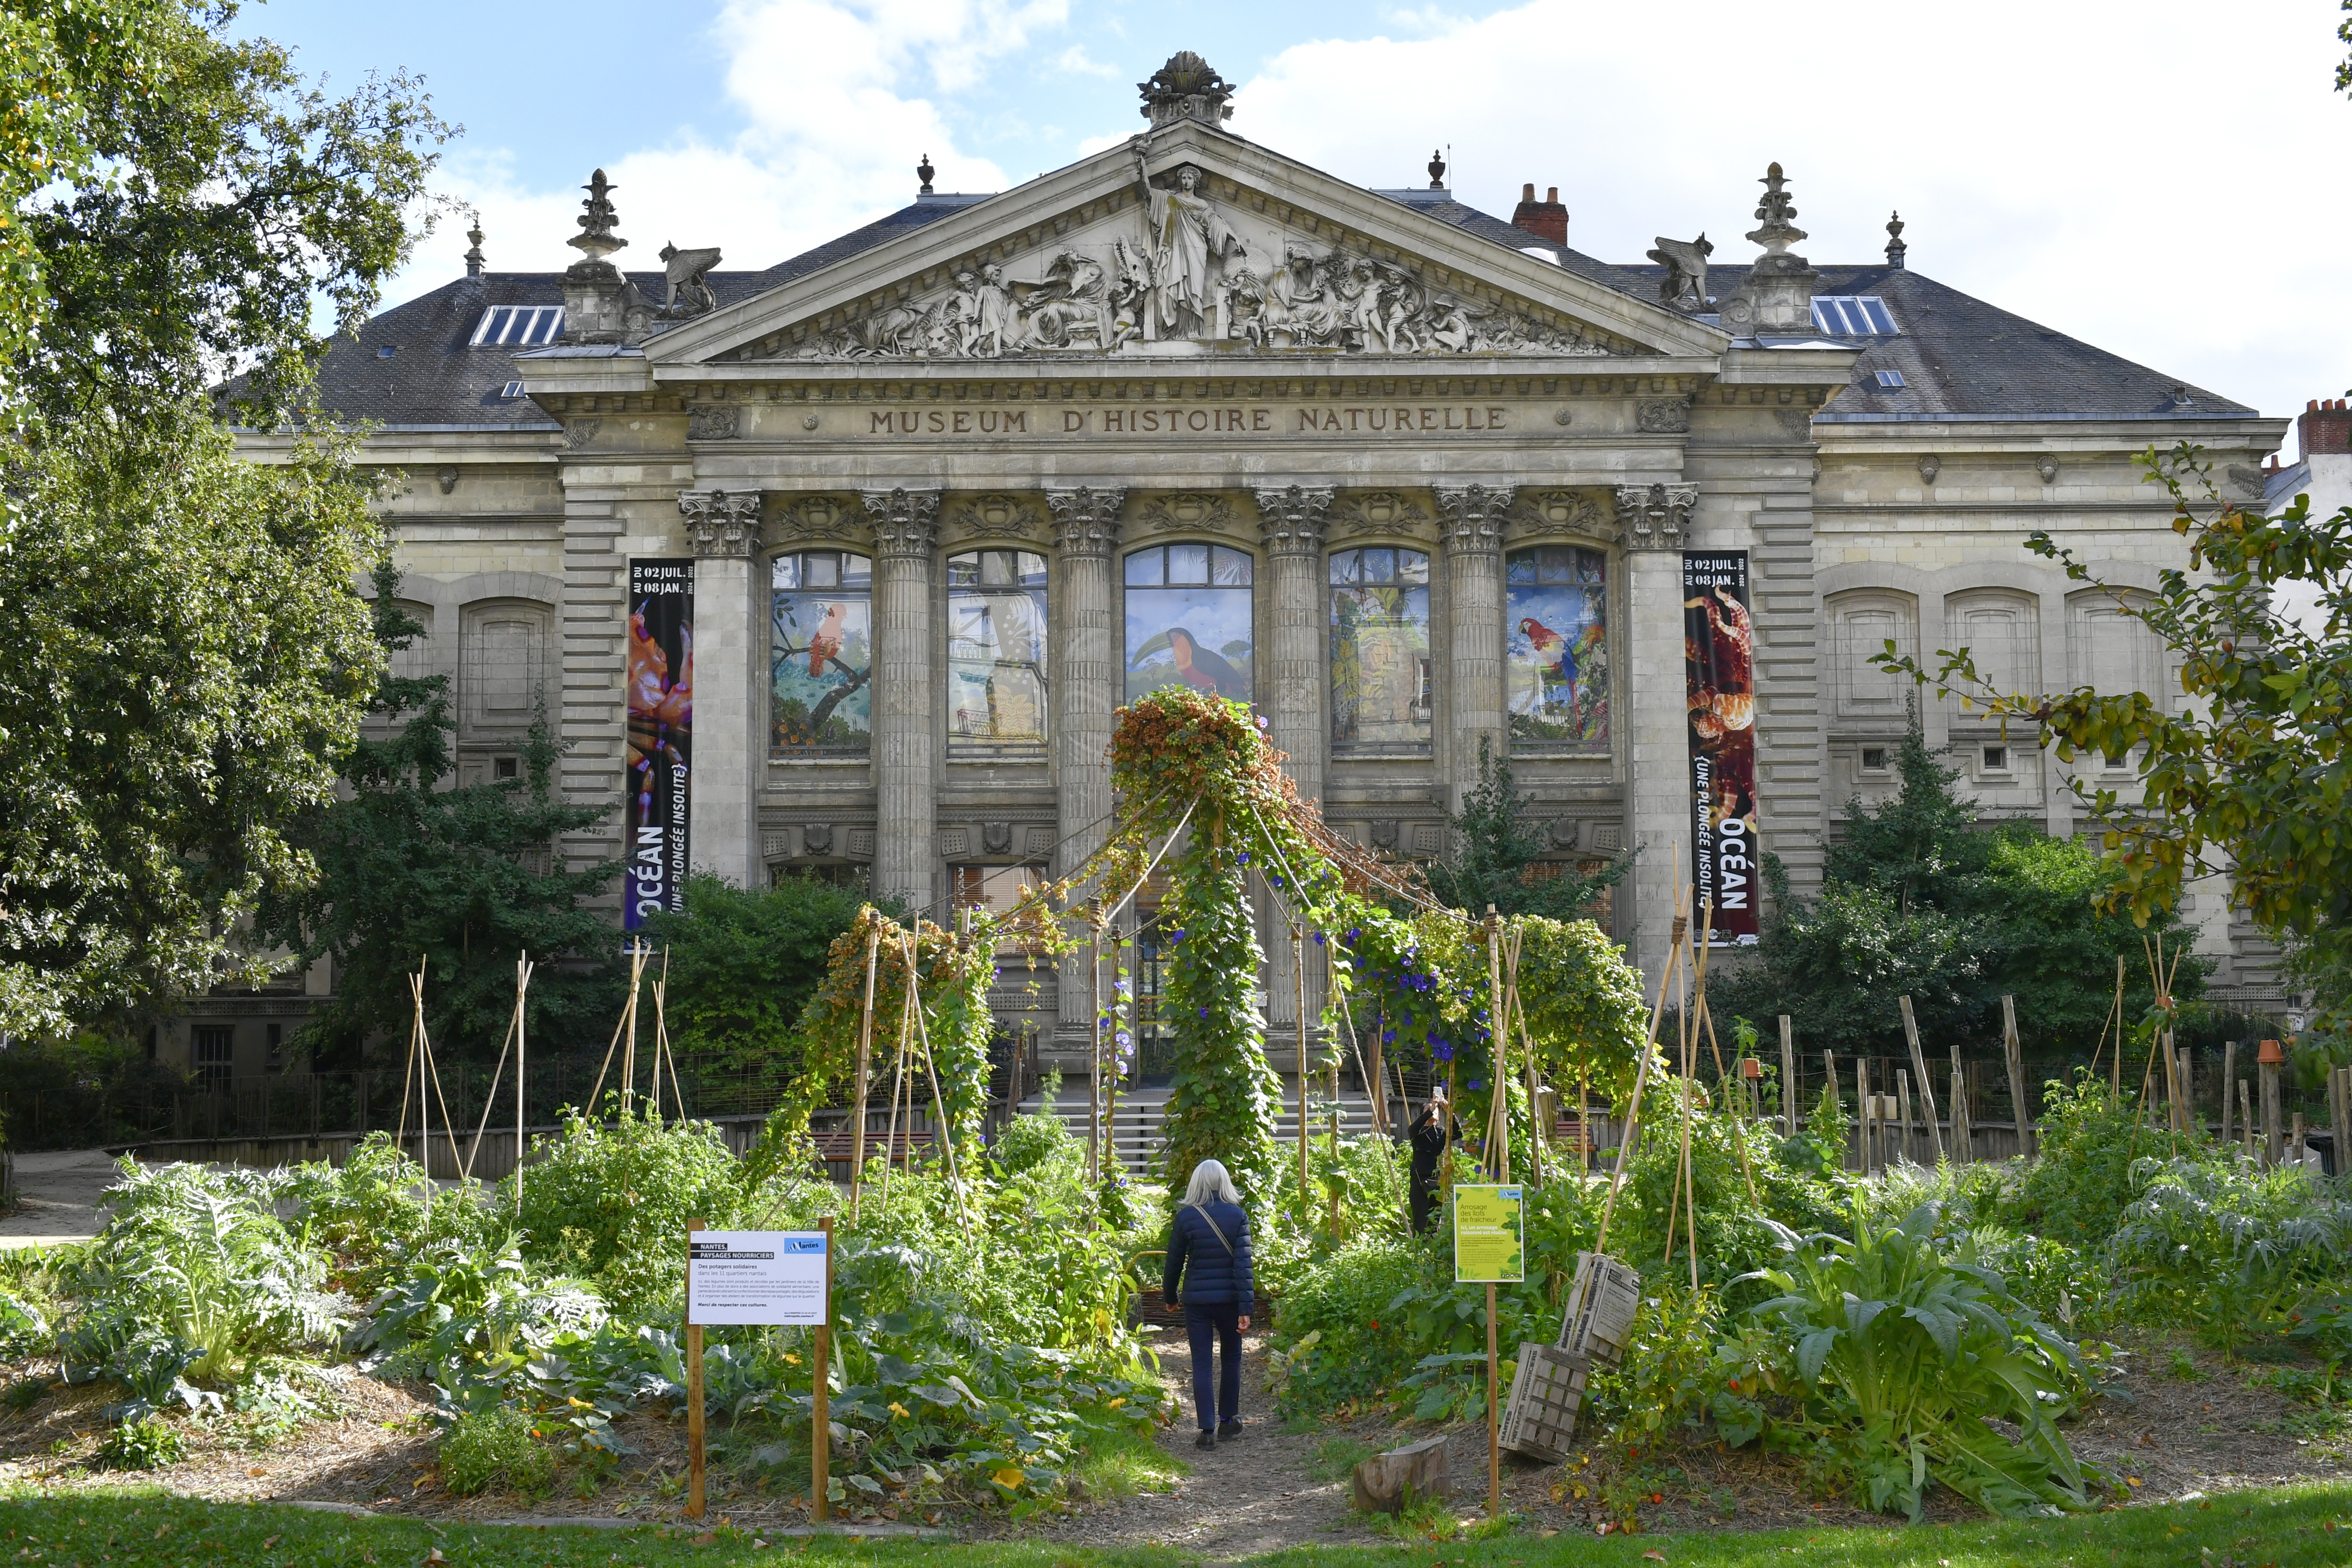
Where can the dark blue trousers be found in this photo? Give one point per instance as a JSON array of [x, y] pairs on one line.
[[1216, 1325]]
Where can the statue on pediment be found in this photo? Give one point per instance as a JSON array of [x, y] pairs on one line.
[[1188, 241]]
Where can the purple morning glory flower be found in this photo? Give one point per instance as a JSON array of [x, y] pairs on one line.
[[1388, 1036], [1205, 1012], [1319, 939], [1244, 857], [1475, 1085], [1442, 1051]]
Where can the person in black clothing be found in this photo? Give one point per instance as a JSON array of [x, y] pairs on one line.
[[1208, 1250], [1429, 1134]]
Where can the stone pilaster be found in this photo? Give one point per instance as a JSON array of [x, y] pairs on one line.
[[1654, 520], [1470, 526], [730, 627], [906, 742], [1085, 675], [1785, 608], [1290, 525]]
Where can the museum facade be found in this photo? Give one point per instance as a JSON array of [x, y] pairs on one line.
[[844, 566]]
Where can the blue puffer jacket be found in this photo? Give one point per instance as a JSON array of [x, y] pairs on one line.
[[1213, 1277]]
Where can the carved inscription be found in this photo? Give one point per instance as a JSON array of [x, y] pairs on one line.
[[1392, 420]]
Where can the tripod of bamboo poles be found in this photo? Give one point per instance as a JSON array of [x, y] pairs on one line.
[[626, 1028], [664, 1052], [512, 1041], [915, 1046], [1666, 981], [425, 1076], [2161, 1036]]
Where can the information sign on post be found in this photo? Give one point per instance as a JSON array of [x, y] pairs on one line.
[[767, 1278], [1490, 1248], [1489, 1238]]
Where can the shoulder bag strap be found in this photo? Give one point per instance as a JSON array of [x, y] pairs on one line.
[[1203, 1210]]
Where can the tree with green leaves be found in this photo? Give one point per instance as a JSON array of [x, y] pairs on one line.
[[463, 879], [1495, 859], [1919, 899], [191, 659], [744, 962]]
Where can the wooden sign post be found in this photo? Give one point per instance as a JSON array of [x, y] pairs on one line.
[[1490, 1245], [765, 1278]]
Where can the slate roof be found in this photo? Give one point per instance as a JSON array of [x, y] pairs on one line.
[[1958, 356]]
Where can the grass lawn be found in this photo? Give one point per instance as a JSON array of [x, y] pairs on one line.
[[2279, 1529]]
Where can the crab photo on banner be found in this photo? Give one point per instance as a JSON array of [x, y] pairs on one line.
[[661, 733], [1718, 645]]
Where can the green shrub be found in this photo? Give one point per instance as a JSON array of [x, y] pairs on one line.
[[147, 1443], [1670, 1379], [374, 1213], [609, 1201], [1028, 1141], [2077, 1190], [2225, 1245], [1901, 1353], [1341, 1300], [497, 1446]]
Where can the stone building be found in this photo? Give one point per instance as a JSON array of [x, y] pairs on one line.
[[1407, 476]]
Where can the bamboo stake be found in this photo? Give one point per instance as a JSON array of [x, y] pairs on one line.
[[1721, 1077], [1690, 1192], [865, 1061], [1641, 1077], [1094, 1032], [1788, 1093], [1927, 1094], [523, 1020], [629, 1054], [1298, 1007], [2228, 1076]]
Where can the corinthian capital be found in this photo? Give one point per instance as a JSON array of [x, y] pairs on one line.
[[905, 522], [1470, 517], [1656, 517], [722, 524], [1086, 521], [1290, 519]]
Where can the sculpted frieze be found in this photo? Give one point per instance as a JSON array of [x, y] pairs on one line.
[[1187, 512], [1554, 512], [1379, 513], [996, 517], [1182, 267]]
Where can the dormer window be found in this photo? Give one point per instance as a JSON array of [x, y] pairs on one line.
[[1853, 316], [518, 327]]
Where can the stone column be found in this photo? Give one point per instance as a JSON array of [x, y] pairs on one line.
[[1470, 526], [730, 625], [906, 742], [1290, 525], [1086, 689], [1653, 520]]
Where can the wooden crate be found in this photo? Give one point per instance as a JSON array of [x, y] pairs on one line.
[[1546, 1391], [1601, 1306]]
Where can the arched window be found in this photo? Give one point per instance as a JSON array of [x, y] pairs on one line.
[[1380, 646], [1188, 620], [1556, 647], [822, 653], [996, 649]]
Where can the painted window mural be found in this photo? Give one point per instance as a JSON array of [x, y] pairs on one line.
[[822, 655], [1557, 653], [996, 649], [1380, 646], [1188, 620]]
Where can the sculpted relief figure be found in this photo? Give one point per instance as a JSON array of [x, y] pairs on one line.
[[1184, 236]]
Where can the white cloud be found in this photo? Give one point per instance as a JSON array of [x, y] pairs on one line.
[[2097, 170], [1077, 62], [835, 118]]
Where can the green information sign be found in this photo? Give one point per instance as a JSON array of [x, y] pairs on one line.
[[1489, 1236]]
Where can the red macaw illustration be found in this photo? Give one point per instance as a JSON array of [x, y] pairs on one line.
[[825, 643]]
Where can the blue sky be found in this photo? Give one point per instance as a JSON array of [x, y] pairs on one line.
[[2149, 176]]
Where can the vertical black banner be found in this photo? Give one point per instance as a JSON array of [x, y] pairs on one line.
[[1719, 649], [661, 733]]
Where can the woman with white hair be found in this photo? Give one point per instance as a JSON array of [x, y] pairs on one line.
[[1209, 1251]]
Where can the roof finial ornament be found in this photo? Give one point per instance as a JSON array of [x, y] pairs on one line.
[[596, 239], [1894, 246], [1779, 214], [1437, 169], [1186, 88], [923, 172], [475, 259]]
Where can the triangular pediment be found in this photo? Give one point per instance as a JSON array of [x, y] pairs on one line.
[[1233, 253]]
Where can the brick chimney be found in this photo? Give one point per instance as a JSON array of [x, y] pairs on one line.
[[1546, 220], [2325, 426]]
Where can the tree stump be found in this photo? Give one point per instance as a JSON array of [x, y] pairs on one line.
[[1386, 1482]]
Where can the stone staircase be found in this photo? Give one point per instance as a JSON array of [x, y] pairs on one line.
[[1135, 1139]]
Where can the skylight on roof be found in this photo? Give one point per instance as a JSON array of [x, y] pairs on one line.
[[518, 326], [1890, 378], [513, 389], [1853, 316]]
